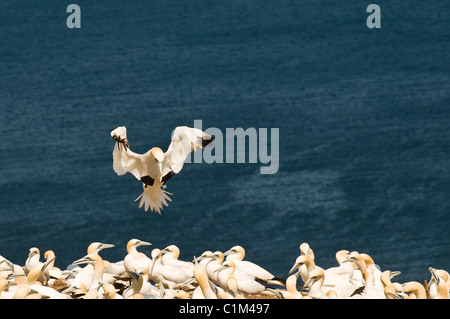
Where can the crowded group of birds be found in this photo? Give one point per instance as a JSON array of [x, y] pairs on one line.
[[211, 275]]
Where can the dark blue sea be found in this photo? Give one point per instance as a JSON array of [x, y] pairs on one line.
[[363, 117]]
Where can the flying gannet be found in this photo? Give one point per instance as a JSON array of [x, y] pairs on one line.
[[155, 168]]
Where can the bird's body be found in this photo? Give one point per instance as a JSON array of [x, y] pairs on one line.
[[155, 167], [166, 275], [199, 272], [246, 284], [248, 268], [135, 259], [170, 256]]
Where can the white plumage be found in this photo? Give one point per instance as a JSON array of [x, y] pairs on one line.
[[155, 168]]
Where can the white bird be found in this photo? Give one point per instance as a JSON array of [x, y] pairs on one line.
[[155, 168], [137, 281], [96, 278], [246, 284], [84, 275], [340, 278], [213, 261], [203, 281], [304, 264], [167, 275], [109, 292], [414, 290], [305, 249], [33, 261], [135, 259], [438, 288], [170, 256], [291, 291], [232, 288], [237, 254], [314, 282]]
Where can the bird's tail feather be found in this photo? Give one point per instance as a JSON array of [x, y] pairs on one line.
[[154, 198]]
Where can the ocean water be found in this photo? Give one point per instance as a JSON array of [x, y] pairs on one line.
[[363, 116]]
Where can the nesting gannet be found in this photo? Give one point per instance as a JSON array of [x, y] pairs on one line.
[[391, 290], [109, 292], [438, 284], [314, 283], [155, 167], [414, 290], [304, 264], [200, 275], [137, 282], [33, 261], [246, 284], [386, 279], [53, 271], [96, 278], [213, 261], [370, 264], [170, 256], [167, 275], [232, 288], [84, 275], [305, 249], [291, 291], [237, 254], [341, 278], [371, 290], [135, 259]]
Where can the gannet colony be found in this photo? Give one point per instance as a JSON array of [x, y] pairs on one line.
[[210, 275]]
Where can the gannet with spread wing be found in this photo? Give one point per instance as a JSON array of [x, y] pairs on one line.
[[155, 168]]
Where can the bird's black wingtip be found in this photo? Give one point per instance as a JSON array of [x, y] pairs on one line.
[[206, 142]]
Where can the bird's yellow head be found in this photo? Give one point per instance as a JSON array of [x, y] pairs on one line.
[[157, 153]]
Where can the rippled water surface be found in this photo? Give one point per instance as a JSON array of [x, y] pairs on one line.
[[363, 117]]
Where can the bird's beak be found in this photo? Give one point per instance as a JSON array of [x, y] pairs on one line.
[[16, 275], [295, 267], [349, 259], [10, 265], [134, 275], [434, 277], [197, 259], [83, 260], [394, 273], [45, 265], [103, 246], [188, 282], [308, 283], [160, 166], [143, 243], [32, 253], [153, 264]]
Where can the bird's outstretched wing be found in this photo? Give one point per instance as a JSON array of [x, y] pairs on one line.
[[124, 160], [185, 139]]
